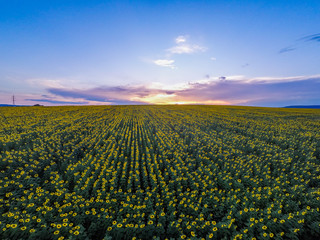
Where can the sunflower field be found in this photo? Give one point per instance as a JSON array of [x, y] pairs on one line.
[[159, 172]]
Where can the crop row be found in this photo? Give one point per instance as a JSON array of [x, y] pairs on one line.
[[124, 172]]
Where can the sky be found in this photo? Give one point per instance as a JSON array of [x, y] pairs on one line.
[[75, 52]]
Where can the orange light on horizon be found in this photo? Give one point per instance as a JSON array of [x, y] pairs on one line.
[[210, 102], [172, 99]]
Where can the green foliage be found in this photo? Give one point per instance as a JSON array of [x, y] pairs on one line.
[[159, 172]]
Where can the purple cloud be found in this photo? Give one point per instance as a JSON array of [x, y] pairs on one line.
[[250, 92], [259, 92], [56, 101], [113, 95]]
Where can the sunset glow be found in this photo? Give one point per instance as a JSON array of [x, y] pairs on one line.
[[257, 53]]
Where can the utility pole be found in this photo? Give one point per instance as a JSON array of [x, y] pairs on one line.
[[13, 101]]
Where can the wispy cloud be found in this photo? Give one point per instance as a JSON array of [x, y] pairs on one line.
[[286, 49], [183, 47], [299, 42], [181, 39], [165, 63], [186, 49], [313, 37]]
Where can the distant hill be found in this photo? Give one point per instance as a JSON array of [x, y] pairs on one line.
[[303, 106], [10, 105], [6, 105]]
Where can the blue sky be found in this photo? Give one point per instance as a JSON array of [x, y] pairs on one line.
[[136, 52]]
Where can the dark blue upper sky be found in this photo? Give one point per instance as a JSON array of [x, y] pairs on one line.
[[156, 45]]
